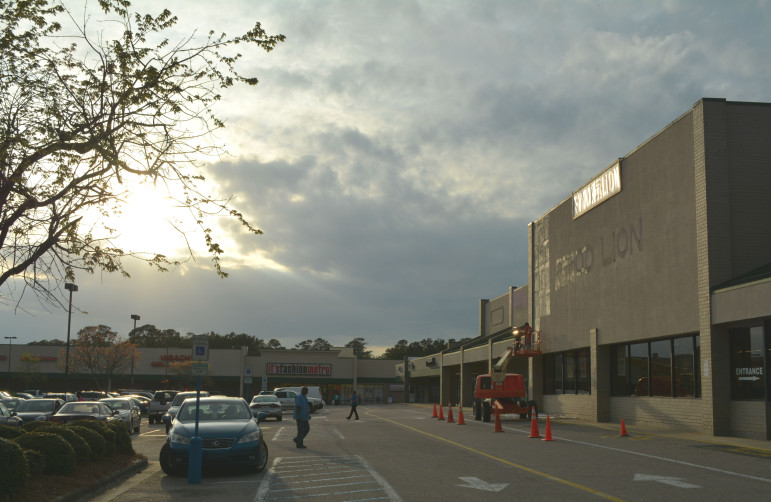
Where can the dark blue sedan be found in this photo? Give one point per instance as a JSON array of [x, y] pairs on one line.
[[229, 432]]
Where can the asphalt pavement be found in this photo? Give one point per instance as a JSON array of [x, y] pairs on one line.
[[402, 453]]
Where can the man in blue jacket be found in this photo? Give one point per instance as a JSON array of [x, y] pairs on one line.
[[302, 415]]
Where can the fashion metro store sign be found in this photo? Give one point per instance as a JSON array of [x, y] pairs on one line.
[[310, 369]]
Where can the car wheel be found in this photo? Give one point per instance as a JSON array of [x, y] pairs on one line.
[[150, 420], [262, 459], [279, 418], [165, 460], [136, 429]]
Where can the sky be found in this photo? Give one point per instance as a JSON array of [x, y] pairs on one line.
[[394, 153]]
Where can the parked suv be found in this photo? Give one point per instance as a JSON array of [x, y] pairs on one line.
[[171, 413], [285, 397], [160, 403], [314, 396]]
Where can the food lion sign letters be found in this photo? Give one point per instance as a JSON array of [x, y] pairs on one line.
[[600, 189], [310, 369]]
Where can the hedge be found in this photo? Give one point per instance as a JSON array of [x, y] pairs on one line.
[[122, 437], [101, 427], [8, 432], [13, 468], [94, 440], [31, 426], [58, 454], [82, 450]]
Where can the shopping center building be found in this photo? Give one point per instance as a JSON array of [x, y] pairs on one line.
[[228, 371], [650, 287]]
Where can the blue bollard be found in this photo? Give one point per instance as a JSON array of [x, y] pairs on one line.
[[194, 461]]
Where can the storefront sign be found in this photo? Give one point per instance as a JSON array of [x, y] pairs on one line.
[[309, 369], [749, 374], [396, 387], [37, 359], [176, 357], [600, 189]]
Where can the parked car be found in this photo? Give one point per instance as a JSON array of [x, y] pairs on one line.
[[285, 397], [24, 395], [84, 410], [159, 404], [127, 409], [314, 396], [34, 393], [92, 395], [268, 404], [64, 396], [142, 401], [144, 393], [230, 436], [11, 402], [38, 409], [9, 418], [168, 417]]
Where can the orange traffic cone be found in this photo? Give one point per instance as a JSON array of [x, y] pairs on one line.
[[623, 428], [534, 433], [434, 416], [460, 416], [449, 415], [548, 437], [498, 427], [441, 415]]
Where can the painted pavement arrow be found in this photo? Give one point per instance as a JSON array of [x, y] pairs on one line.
[[667, 480], [478, 484]]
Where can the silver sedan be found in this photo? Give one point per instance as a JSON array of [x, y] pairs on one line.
[[268, 404]]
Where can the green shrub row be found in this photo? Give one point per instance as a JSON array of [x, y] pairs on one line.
[[45, 447]]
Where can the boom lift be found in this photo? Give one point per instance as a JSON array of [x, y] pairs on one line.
[[506, 392]]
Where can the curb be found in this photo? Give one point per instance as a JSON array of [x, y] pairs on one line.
[[104, 483]]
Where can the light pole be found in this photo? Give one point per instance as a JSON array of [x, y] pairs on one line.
[[10, 339], [71, 288], [136, 318]]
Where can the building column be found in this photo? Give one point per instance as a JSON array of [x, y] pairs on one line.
[[599, 359]]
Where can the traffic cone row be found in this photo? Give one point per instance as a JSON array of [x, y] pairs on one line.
[[441, 415], [460, 416], [449, 415], [547, 436], [435, 415]]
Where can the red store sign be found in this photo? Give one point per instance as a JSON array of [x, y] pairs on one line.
[[308, 369]]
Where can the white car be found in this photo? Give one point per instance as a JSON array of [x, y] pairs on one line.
[[171, 413], [128, 410], [314, 396]]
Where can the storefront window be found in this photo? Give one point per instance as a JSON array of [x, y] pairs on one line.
[[684, 367], [661, 368], [619, 383], [747, 363], [583, 382], [570, 372], [558, 383], [638, 368], [668, 368], [567, 372]]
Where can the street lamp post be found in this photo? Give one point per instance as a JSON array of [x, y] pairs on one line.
[[10, 339], [71, 288], [136, 318]]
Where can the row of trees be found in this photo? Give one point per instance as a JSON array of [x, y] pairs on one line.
[[152, 337], [101, 352]]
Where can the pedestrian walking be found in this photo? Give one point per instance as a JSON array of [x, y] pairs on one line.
[[354, 403], [302, 415]]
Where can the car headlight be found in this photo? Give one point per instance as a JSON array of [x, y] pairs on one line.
[[179, 438], [252, 436]]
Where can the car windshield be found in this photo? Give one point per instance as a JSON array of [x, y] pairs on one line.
[[265, 399], [35, 405], [179, 398], [118, 404], [79, 408], [215, 410]]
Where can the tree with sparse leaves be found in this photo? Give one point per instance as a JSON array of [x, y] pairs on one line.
[[89, 108], [360, 348], [317, 344], [99, 350]]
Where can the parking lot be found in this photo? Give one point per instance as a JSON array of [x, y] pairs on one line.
[[399, 452]]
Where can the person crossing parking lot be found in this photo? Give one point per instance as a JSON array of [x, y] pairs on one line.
[[302, 414]]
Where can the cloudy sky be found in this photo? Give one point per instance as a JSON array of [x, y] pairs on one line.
[[395, 151]]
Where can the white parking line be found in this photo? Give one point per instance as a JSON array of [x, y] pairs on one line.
[[317, 477]]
